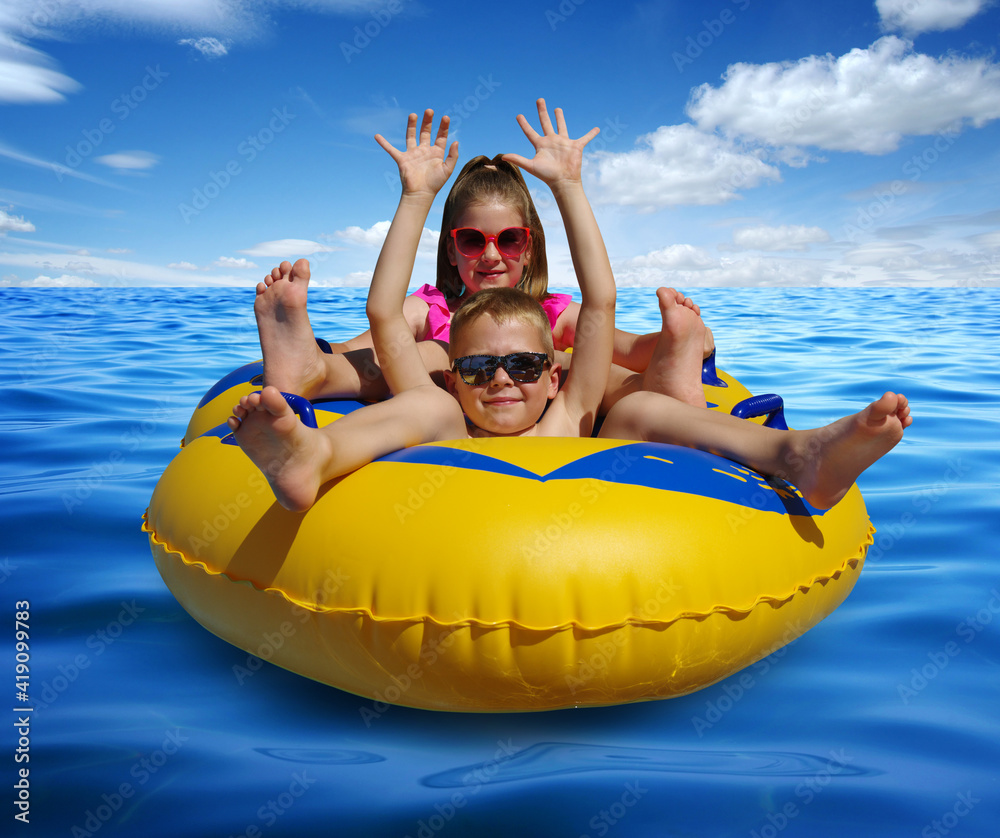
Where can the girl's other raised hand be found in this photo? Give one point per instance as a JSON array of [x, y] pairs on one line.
[[558, 158], [424, 166]]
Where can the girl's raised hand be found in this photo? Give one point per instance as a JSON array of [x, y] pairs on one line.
[[424, 166], [558, 158]]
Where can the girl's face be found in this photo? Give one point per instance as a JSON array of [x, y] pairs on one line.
[[491, 269]]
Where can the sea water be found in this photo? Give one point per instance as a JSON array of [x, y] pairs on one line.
[[128, 718]]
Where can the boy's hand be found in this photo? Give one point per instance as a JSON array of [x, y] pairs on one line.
[[424, 167], [558, 158]]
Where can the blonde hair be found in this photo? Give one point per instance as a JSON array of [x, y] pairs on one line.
[[502, 305], [486, 181]]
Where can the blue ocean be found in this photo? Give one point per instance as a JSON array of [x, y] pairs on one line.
[[124, 717]]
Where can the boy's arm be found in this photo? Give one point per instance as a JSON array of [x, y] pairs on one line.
[[557, 162], [424, 167], [587, 379]]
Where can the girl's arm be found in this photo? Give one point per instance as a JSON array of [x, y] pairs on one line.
[[424, 167], [631, 351], [415, 312], [558, 161]]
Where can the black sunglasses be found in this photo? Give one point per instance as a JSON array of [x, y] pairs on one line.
[[522, 367]]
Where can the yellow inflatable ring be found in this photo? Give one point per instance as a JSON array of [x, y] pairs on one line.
[[500, 574]]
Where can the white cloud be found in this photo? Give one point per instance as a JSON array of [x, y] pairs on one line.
[[230, 262], [788, 237], [989, 241], [14, 223], [915, 16], [866, 100], [372, 237], [726, 271], [287, 249], [120, 250], [58, 169], [29, 76], [674, 257], [375, 235], [118, 272], [64, 281], [676, 165], [129, 160], [25, 78], [908, 263], [209, 47], [884, 254], [876, 263], [355, 279], [373, 120]]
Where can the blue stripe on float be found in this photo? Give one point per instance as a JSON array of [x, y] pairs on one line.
[[433, 455], [647, 464], [237, 376]]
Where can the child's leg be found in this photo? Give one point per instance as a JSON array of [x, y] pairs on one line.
[[297, 460], [356, 374], [292, 360], [295, 364], [823, 462], [674, 367]]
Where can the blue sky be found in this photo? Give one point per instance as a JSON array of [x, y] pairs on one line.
[[744, 142]]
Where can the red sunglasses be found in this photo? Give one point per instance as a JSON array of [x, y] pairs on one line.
[[471, 242]]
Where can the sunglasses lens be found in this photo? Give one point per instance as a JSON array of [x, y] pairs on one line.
[[470, 242], [512, 241], [523, 367], [476, 370]]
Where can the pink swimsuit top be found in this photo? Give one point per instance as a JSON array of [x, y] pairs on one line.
[[439, 315]]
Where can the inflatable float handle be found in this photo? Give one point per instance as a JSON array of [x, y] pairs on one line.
[[709, 375], [769, 404], [303, 407]]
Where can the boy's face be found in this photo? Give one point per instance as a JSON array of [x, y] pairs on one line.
[[502, 407]]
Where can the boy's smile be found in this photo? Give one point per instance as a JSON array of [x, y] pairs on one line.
[[502, 407]]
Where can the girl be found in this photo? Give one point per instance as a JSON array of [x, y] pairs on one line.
[[491, 236]]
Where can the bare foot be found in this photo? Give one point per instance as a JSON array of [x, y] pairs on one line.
[[691, 304], [828, 460], [675, 368], [285, 450], [709, 343], [292, 360]]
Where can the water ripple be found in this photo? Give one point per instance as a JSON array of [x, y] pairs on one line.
[[554, 759], [321, 756]]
